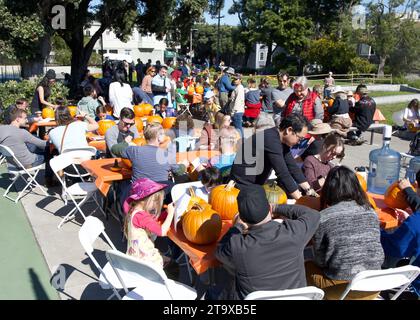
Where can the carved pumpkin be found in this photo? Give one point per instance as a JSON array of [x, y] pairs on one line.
[[73, 110], [140, 141], [201, 224], [275, 194], [362, 182], [199, 89], [154, 119], [104, 125], [223, 199], [310, 202], [139, 124], [168, 122], [48, 113], [394, 197]]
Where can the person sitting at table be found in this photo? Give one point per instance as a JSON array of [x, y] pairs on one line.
[[90, 101], [163, 109], [143, 209], [270, 149], [262, 251], [182, 133], [209, 139], [101, 114], [228, 140], [123, 133], [20, 104], [412, 197], [318, 133], [71, 133], [316, 167], [28, 149], [347, 240]]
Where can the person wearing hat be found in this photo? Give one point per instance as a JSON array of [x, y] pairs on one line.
[[316, 167], [363, 110], [210, 106], [318, 133], [237, 103], [269, 150], [262, 251], [142, 222], [339, 112], [225, 87]]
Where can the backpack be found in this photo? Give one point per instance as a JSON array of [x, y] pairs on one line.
[[415, 145]]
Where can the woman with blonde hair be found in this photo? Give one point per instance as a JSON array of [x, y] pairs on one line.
[[146, 84], [209, 138]]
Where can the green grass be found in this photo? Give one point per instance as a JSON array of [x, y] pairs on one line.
[[389, 109], [375, 94]]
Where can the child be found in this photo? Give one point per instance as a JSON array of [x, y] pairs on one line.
[[102, 115], [252, 103], [143, 212], [228, 139], [162, 108]]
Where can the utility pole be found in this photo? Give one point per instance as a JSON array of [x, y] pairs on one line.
[[218, 35], [191, 36]]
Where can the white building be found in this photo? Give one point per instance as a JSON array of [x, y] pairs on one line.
[[258, 57], [138, 46]]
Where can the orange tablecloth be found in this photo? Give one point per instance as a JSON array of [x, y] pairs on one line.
[[101, 168], [98, 144], [34, 127], [201, 256], [385, 214]]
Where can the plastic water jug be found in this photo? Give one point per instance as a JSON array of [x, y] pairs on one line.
[[384, 165], [412, 169]]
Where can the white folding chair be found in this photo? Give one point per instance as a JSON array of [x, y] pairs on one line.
[[19, 171], [83, 190], [306, 293], [156, 285], [379, 280], [185, 143], [2, 159]]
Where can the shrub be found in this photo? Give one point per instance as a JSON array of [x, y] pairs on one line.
[[361, 65]]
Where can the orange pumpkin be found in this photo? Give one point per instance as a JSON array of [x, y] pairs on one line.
[[201, 224], [154, 119], [199, 89], [104, 125], [330, 102], [275, 194], [223, 199], [394, 197], [139, 124], [372, 202], [48, 113], [168, 122], [138, 110], [191, 90], [310, 202], [362, 181], [127, 162], [412, 128], [73, 110], [147, 109], [140, 141]]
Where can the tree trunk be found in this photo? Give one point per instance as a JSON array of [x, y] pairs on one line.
[[35, 66], [381, 67], [269, 56]]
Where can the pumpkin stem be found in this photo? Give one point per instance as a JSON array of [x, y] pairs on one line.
[[230, 185], [192, 193], [197, 206]]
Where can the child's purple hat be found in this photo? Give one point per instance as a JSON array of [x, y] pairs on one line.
[[141, 189]]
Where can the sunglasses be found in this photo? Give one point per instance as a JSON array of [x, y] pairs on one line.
[[128, 124]]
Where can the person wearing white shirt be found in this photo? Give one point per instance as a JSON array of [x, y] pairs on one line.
[[411, 114], [120, 93], [161, 87]]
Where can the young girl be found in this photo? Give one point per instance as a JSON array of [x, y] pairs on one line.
[[102, 115], [411, 114], [142, 221], [252, 103]]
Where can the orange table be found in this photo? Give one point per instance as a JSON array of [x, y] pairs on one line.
[[101, 168], [96, 141], [201, 256], [34, 127], [386, 215]]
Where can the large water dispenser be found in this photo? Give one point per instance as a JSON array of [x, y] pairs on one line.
[[384, 165], [412, 169]]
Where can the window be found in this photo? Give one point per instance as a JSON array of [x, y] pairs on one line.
[[127, 52], [87, 33], [262, 56], [113, 51], [102, 51]]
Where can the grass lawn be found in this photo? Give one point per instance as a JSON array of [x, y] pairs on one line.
[[389, 109], [374, 94]]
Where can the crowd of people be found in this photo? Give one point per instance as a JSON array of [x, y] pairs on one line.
[[298, 134]]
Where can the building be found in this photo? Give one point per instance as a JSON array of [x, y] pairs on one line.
[[138, 46], [258, 57]]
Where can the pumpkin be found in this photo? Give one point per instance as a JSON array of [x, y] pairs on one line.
[[168, 122], [127, 162], [412, 128], [138, 110], [104, 125], [199, 89], [73, 110], [330, 102], [394, 197], [275, 194], [191, 90], [147, 109], [310, 202], [154, 119], [362, 181], [201, 224], [372, 202], [48, 113], [139, 124], [140, 141], [223, 199]]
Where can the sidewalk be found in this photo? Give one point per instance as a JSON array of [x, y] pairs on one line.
[[24, 273]]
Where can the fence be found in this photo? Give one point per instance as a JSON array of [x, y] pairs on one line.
[[9, 73]]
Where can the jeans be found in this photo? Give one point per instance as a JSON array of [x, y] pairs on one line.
[[237, 122]]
